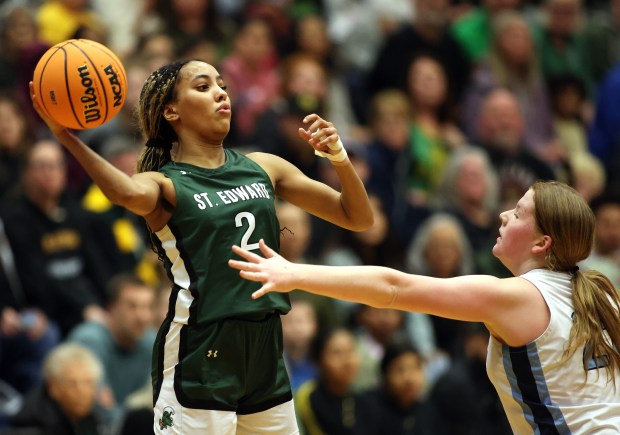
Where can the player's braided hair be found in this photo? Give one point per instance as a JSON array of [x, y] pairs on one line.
[[157, 91]]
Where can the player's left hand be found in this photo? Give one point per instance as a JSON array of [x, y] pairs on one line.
[[323, 137], [273, 271]]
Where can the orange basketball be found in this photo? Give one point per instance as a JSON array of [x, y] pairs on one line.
[[80, 83]]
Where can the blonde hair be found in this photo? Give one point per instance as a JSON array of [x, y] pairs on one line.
[[565, 216], [70, 352]]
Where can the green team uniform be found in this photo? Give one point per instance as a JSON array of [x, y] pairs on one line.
[[230, 346]]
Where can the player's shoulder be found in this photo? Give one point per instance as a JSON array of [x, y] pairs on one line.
[[271, 163], [268, 159], [156, 176]]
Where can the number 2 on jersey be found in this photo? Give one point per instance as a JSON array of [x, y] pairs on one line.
[[251, 222]]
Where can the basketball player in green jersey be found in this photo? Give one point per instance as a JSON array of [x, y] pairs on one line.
[[217, 363]]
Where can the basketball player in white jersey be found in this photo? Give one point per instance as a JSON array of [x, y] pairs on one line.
[[554, 352]]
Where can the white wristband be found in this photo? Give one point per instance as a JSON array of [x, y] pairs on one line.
[[339, 156]]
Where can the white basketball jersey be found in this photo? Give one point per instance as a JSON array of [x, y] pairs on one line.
[[542, 396]]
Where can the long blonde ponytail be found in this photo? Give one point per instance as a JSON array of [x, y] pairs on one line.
[[564, 215]]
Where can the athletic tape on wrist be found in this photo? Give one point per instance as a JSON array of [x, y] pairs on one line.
[[340, 156]]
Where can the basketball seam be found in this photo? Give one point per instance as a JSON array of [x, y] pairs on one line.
[[66, 74], [112, 56]]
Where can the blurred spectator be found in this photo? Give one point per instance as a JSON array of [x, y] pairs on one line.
[[251, 74], [512, 63], [605, 257], [188, 21], [18, 32], [65, 404], [560, 42], [375, 329], [568, 97], [426, 33], [433, 133], [357, 30], [26, 333], [500, 127], [378, 245], [469, 190], [299, 328], [16, 136], [20, 50], [303, 90], [587, 175], [604, 132], [153, 50], [463, 400], [59, 20], [328, 405], [474, 31], [120, 19], [602, 39], [58, 263], [202, 49], [440, 249], [388, 156], [311, 38], [124, 343], [281, 16], [397, 402], [137, 417]]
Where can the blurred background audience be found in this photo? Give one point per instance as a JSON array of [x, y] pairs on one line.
[[449, 110]]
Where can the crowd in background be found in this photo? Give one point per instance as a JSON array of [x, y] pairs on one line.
[[449, 110]]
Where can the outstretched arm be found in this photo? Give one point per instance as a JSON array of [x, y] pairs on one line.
[[512, 308], [139, 194], [348, 208]]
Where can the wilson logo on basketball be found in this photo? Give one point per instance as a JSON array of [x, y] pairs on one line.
[[89, 99], [117, 89], [82, 83]]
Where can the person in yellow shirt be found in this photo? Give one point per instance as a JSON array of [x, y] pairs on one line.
[[59, 20]]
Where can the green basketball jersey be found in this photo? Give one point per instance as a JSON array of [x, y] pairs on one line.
[[218, 208]]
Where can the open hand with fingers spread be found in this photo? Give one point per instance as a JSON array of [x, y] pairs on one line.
[[273, 271]]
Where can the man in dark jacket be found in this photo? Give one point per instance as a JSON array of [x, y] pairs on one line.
[[60, 267]]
